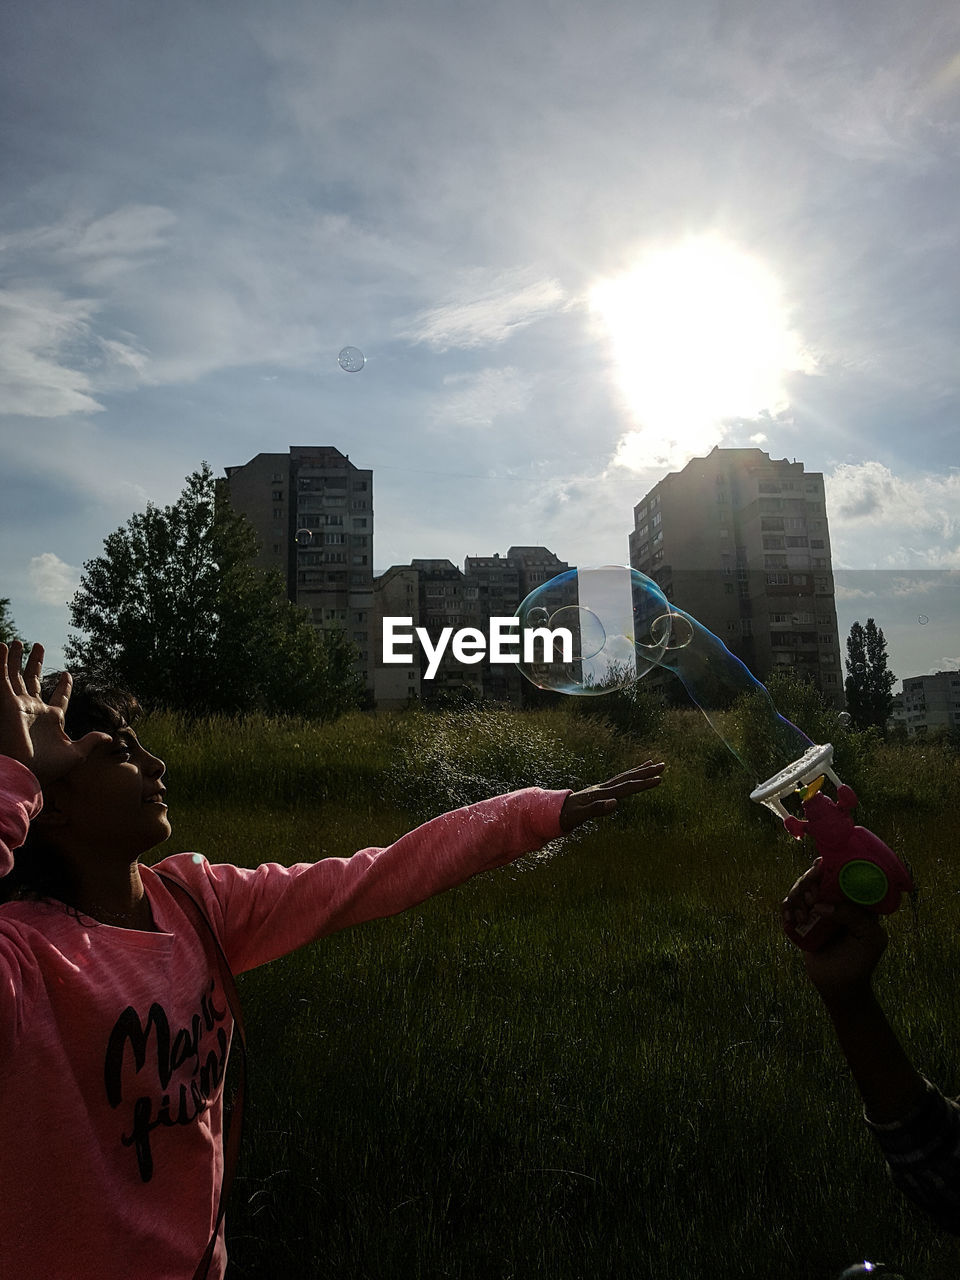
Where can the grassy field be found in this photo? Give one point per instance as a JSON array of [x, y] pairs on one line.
[[603, 1061]]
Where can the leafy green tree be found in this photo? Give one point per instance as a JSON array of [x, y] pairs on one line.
[[8, 628], [869, 683], [176, 608]]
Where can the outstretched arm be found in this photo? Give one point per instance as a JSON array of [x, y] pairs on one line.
[[267, 912]]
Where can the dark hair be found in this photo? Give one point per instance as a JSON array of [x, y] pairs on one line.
[[39, 870]]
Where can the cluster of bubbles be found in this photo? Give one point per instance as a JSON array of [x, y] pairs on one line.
[[351, 359]]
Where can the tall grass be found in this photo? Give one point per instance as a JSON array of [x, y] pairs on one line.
[[602, 1061]]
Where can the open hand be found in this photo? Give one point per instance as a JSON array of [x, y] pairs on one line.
[[31, 730], [601, 799]]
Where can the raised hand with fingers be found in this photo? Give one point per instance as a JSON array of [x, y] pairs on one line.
[[31, 730], [602, 799]]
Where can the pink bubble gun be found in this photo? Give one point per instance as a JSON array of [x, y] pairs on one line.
[[856, 865]]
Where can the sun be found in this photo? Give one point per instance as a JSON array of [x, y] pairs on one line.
[[699, 334]]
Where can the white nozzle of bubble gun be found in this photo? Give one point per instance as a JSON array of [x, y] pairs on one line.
[[813, 764]]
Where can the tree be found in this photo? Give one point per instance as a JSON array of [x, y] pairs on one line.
[[8, 628], [177, 610], [869, 683]]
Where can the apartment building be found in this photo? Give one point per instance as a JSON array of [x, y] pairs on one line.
[[741, 542], [928, 704], [437, 594], [535, 566], [396, 594], [312, 509]]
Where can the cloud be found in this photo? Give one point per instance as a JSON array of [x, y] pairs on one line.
[[480, 399], [896, 520], [484, 311], [95, 249], [53, 581], [42, 334]]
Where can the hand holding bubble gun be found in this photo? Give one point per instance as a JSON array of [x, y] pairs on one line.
[[855, 865]]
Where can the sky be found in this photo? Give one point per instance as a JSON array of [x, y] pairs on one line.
[[577, 245]]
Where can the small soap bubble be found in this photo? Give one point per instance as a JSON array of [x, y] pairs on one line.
[[845, 719], [866, 1268], [351, 359], [923, 619], [304, 537]]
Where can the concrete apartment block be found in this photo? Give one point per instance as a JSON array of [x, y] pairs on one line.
[[929, 704], [312, 509], [437, 594], [396, 594], [741, 541]]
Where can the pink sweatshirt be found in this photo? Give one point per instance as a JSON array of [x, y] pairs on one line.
[[113, 1042]]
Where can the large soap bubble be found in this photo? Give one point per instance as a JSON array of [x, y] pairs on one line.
[[622, 626], [618, 622]]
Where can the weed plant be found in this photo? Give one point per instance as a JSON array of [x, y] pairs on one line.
[[603, 1061]]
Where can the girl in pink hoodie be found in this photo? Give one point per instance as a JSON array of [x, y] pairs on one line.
[[114, 1024]]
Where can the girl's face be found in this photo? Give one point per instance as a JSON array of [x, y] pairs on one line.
[[113, 803]]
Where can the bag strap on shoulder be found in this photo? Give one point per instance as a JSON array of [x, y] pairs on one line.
[[231, 1146]]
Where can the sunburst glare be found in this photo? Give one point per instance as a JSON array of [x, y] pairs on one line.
[[699, 335]]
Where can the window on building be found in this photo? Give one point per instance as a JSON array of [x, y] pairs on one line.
[[278, 495], [657, 519]]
